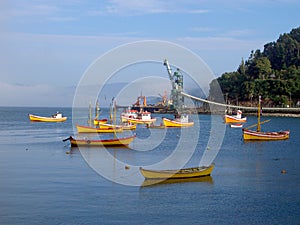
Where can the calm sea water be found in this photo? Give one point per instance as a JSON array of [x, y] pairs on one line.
[[42, 184]]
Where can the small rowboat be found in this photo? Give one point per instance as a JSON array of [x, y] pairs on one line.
[[54, 118], [178, 174], [100, 143], [87, 129]]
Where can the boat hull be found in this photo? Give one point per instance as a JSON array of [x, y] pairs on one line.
[[234, 119], [173, 123], [101, 143], [140, 121], [86, 129], [35, 118], [250, 135], [177, 174]]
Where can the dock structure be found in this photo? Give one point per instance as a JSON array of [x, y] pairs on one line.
[[274, 111]]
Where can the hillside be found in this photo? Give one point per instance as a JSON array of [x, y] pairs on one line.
[[273, 73]]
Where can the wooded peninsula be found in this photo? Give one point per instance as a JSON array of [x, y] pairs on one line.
[[273, 73]]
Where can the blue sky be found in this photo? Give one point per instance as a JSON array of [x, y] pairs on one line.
[[46, 45]]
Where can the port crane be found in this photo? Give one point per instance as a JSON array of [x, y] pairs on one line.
[[177, 86]]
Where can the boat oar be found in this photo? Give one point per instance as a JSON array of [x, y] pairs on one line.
[[69, 138], [254, 125]]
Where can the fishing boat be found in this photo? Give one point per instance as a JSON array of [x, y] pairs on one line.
[[57, 117], [235, 118], [142, 118], [178, 174], [179, 121], [128, 114], [258, 135], [88, 129], [114, 142]]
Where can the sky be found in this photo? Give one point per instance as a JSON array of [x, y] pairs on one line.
[[47, 45]]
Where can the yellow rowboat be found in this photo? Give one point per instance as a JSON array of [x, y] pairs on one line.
[[178, 174], [100, 143], [54, 118], [176, 123], [250, 135], [87, 129]]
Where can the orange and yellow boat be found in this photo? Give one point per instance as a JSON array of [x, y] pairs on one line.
[[235, 118], [100, 143], [57, 117]]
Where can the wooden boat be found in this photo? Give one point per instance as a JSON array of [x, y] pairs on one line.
[[180, 121], [178, 174], [258, 135], [142, 118], [88, 129], [250, 135], [57, 117], [236, 125], [235, 118], [100, 143]]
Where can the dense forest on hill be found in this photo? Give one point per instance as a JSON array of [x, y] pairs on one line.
[[273, 73]]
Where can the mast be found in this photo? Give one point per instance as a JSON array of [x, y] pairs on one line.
[[97, 109], [90, 115], [258, 115]]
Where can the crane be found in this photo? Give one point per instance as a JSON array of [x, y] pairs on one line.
[[176, 80]]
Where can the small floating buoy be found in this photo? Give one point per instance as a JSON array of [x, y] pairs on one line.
[[127, 167], [283, 171]]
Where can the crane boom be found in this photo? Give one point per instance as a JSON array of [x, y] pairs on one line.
[[166, 63]]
